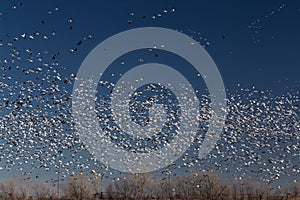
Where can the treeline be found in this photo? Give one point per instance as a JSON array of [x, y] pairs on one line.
[[198, 185]]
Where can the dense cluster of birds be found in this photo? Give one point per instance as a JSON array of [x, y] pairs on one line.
[[261, 134]]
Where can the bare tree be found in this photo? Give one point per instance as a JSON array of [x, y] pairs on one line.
[[96, 182], [162, 189], [121, 187], [295, 190], [249, 188], [9, 190], [16, 189], [143, 185], [234, 189], [109, 191], [261, 191], [207, 185], [78, 188], [138, 186], [200, 185], [43, 191], [183, 187]]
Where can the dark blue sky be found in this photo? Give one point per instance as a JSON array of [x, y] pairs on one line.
[[253, 43], [239, 58]]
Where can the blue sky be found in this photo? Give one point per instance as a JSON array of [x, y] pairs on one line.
[[238, 56], [253, 43]]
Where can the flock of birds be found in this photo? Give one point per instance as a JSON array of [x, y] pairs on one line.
[[261, 134], [134, 17], [256, 26]]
